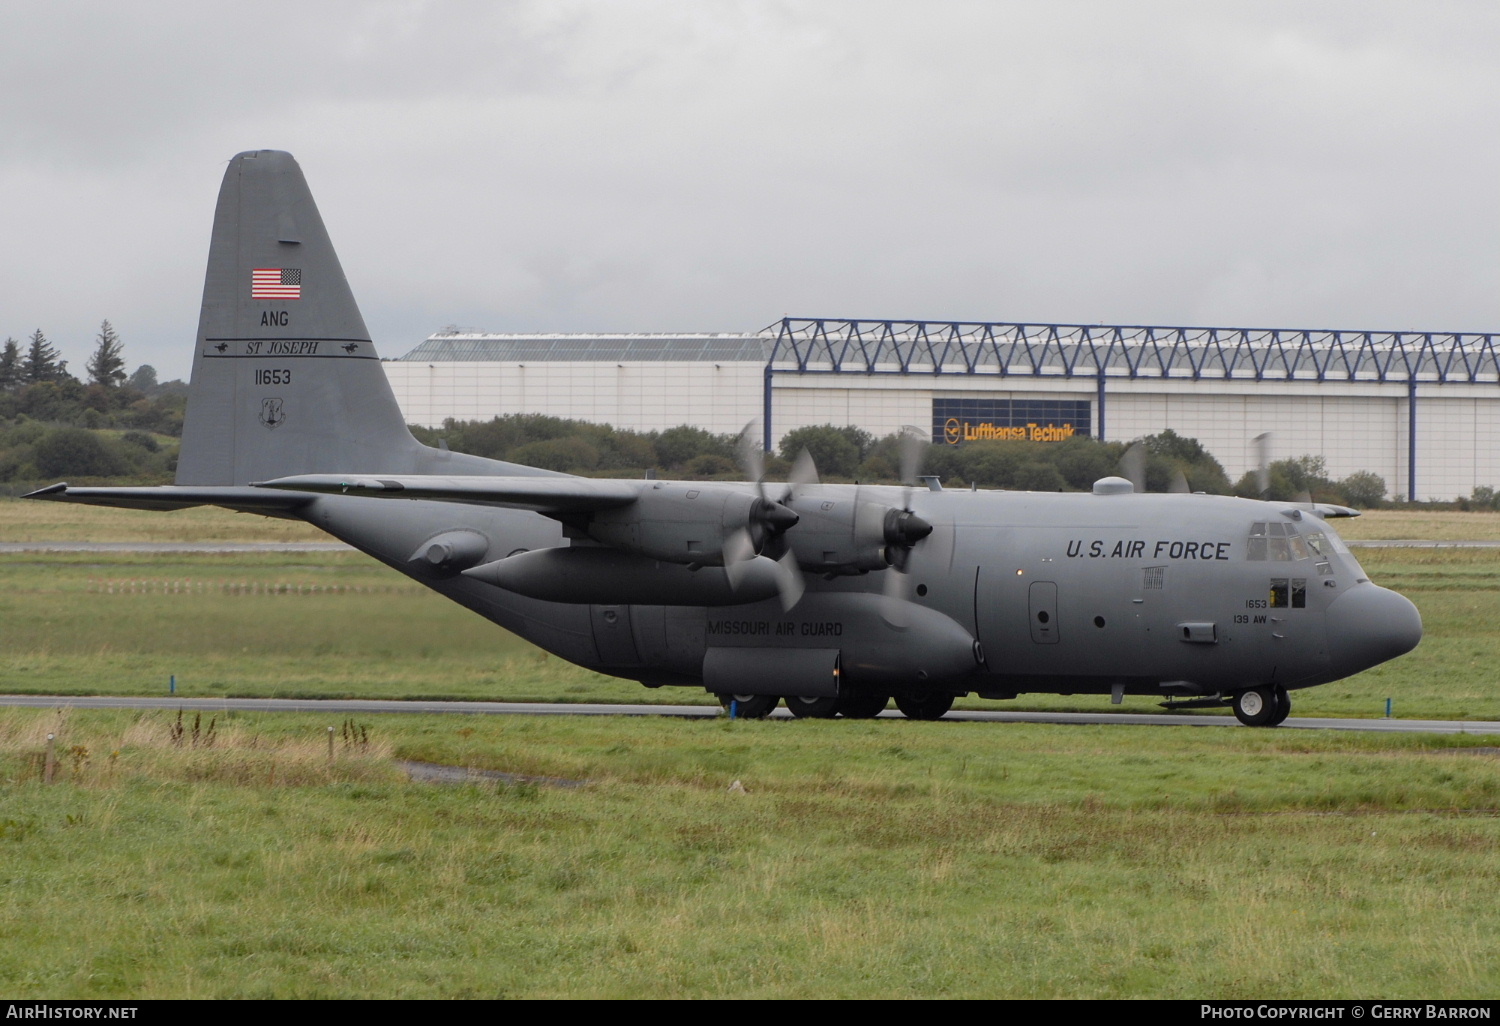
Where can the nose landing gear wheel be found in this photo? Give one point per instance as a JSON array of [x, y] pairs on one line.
[[1259, 707], [812, 708], [924, 706], [750, 707]]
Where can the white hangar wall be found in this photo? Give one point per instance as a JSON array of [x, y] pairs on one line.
[[1353, 426], [717, 383], [639, 396]]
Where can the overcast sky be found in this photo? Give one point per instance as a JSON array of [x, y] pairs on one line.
[[561, 166]]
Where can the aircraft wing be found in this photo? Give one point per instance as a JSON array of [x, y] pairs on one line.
[[552, 495], [168, 497]]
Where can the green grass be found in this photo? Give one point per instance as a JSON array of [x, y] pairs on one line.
[[32, 520], [861, 859], [884, 859], [324, 625], [1431, 525]]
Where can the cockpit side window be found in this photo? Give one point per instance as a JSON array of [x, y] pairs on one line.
[[1322, 551], [1342, 549], [1255, 551], [1273, 542]]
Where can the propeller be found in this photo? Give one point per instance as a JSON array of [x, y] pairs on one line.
[[903, 528], [804, 472], [768, 519], [1263, 463], [1133, 465]]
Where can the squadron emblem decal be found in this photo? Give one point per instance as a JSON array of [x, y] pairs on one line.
[[272, 413]]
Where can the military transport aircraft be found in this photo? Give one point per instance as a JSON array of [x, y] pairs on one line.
[[833, 598]]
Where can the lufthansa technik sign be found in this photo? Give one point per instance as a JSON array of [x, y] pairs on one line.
[[955, 421]]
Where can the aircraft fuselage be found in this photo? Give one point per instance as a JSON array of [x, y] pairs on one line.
[[1013, 592]]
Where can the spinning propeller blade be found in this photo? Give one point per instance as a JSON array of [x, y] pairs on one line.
[[1133, 465], [772, 518], [903, 528], [1263, 463]]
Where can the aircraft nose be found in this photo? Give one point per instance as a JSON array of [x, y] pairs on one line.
[[1368, 625]]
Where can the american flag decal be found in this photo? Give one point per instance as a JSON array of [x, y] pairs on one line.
[[276, 283]]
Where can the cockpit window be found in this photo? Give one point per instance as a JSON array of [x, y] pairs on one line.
[[1273, 542], [1322, 550], [1342, 549], [1256, 550]]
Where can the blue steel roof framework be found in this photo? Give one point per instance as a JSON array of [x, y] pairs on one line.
[[445, 347], [814, 345]]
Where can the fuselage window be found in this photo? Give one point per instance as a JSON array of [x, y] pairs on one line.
[[1289, 593], [1280, 593]]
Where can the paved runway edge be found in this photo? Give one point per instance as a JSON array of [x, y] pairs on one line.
[[372, 706]]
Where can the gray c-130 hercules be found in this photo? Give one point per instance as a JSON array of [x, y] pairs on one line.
[[833, 598]]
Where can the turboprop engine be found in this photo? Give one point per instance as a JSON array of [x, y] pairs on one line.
[[686, 523], [849, 535]]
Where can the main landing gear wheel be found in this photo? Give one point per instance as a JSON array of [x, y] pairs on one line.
[[812, 708], [924, 706], [1259, 707], [750, 707], [1283, 708], [862, 707]]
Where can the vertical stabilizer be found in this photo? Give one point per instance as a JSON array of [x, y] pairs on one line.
[[285, 377]]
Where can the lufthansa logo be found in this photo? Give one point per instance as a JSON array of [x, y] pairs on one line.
[[952, 431]]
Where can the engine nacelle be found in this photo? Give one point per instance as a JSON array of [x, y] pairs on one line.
[[685, 523], [847, 536]]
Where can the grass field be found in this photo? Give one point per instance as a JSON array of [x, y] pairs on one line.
[[872, 859], [858, 859]]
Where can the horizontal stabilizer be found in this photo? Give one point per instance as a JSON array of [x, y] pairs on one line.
[[559, 495], [168, 497]]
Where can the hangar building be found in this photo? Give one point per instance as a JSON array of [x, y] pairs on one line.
[[1421, 409]]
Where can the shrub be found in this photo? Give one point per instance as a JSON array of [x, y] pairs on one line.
[[75, 452]]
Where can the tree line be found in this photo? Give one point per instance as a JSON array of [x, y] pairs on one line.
[[106, 425], [1167, 460], [54, 425], [35, 384]]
